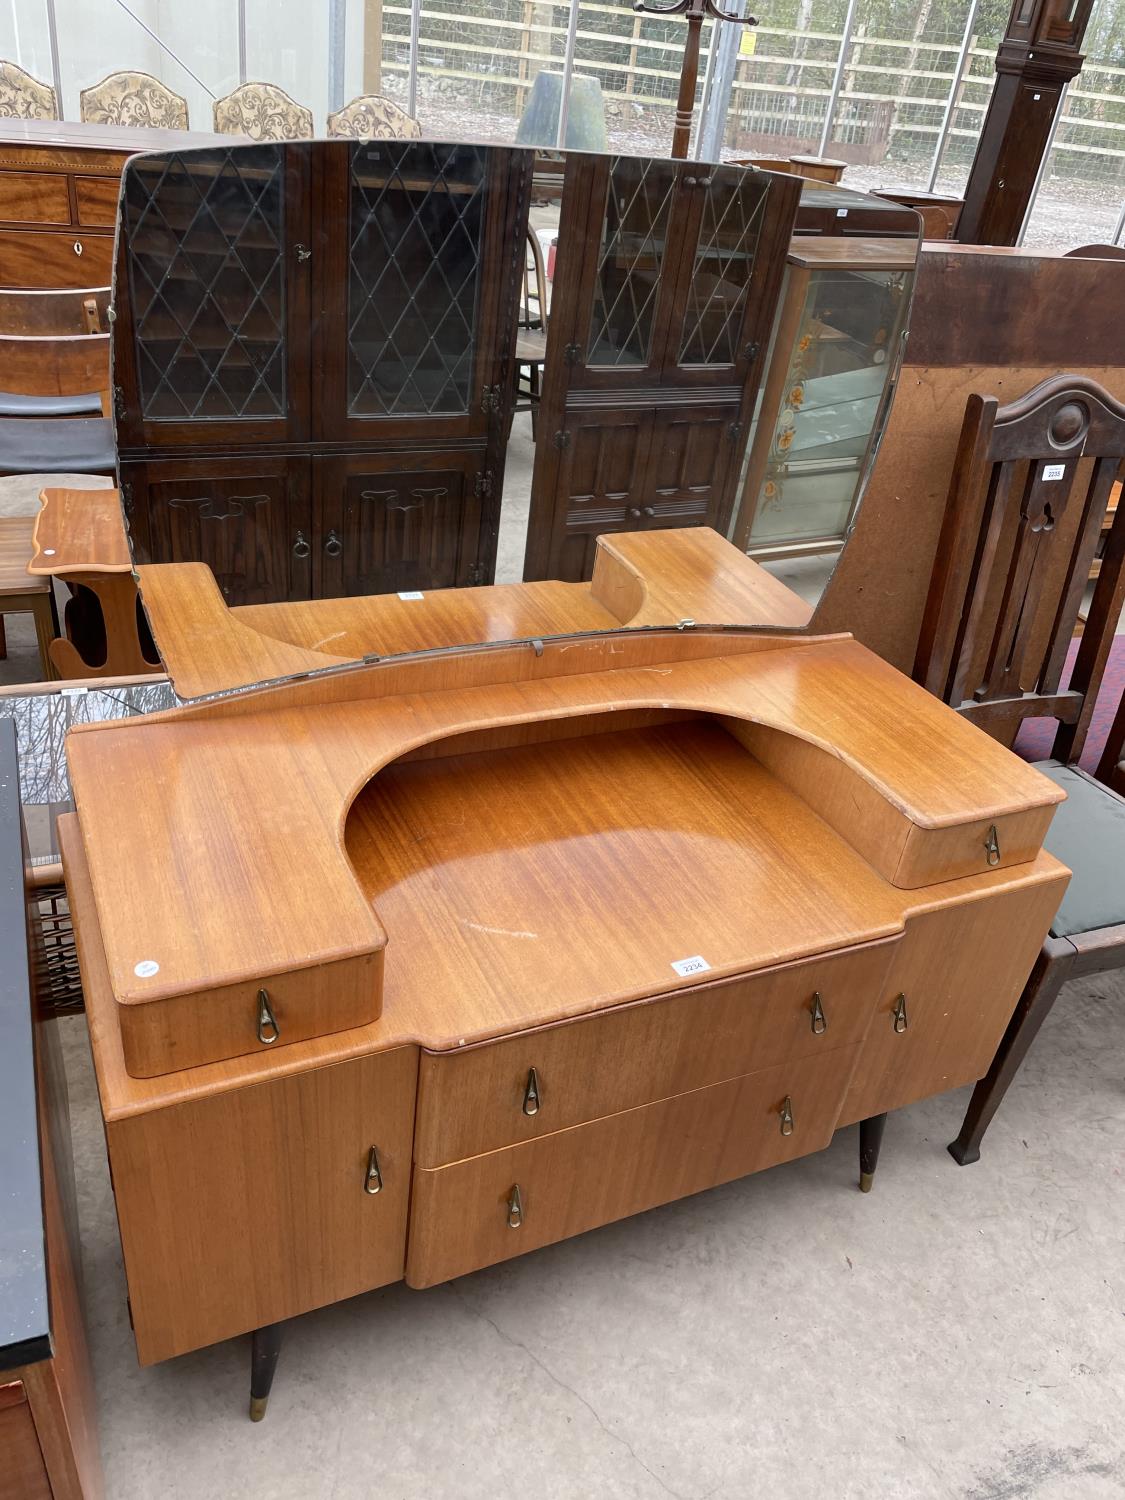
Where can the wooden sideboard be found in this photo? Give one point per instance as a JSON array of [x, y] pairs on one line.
[[399, 970], [59, 185]]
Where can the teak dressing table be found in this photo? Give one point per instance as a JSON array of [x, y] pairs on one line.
[[404, 968]]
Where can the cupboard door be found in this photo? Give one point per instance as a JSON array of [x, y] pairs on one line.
[[689, 459], [246, 1207], [462, 1215], [597, 468], [398, 523], [212, 343], [249, 520]]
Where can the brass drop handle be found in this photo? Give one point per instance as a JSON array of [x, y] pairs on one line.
[[373, 1177], [333, 546], [819, 1019], [900, 1018], [301, 546], [532, 1097], [787, 1116], [515, 1207], [992, 846], [268, 1029]]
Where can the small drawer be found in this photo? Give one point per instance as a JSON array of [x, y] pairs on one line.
[[34, 197], [55, 259], [97, 200], [184, 1030], [491, 1208], [485, 1097]]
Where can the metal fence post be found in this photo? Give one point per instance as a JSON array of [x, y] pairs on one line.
[[568, 69], [718, 85], [412, 77], [954, 96], [837, 78]]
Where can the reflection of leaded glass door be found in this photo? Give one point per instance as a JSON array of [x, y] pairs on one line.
[[217, 280]]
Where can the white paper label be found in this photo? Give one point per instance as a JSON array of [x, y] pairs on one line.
[[413, 594], [686, 966], [146, 968], [48, 552], [841, 213], [1054, 471]]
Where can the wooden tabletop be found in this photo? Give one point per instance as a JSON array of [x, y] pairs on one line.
[[640, 579], [858, 253], [79, 531], [75, 134]]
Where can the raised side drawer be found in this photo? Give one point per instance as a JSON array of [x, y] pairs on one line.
[[476, 1100], [55, 259], [574, 1180], [200, 1026]]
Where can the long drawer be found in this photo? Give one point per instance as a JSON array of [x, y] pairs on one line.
[[57, 258], [485, 1097], [491, 1208]]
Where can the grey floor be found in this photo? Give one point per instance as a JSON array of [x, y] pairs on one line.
[[956, 1333]]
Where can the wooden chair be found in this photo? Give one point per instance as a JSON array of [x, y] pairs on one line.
[[22, 594], [372, 115], [1111, 767], [1023, 519], [53, 377], [23, 97], [72, 311], [531, 333], [133, 99], [263, 112]]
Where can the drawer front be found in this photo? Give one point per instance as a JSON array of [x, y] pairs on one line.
[[250, 1206], [185, 1031], [97, 200], [34, 197], [959, 971], [476, 1100], [576, 1179], [58, 259]]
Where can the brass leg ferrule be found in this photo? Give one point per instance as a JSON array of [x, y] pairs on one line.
[[258, 1407], [865, 1181]]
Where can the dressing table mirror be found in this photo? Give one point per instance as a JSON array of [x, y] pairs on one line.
[[356, 376]]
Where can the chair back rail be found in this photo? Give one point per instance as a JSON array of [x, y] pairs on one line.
[[54, 366], [71, 310], [1026, 508]]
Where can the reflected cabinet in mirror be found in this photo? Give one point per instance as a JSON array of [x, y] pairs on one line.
[[375, 368]]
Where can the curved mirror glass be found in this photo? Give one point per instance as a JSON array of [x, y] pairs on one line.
[[376, 397]]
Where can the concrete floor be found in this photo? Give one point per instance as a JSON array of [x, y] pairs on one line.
[[956, 1335]]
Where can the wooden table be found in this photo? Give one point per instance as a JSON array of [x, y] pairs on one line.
[[79, 538], [21, 594], [423, 963]]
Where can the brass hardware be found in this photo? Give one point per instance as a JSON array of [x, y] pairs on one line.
[[78, 247], [531, 1096], [562, 440], [515, 1207], [900, 1021], [482, 485], [373, 1178], [119, 402], [572, 353], [303, 252], [992, 846], [490, 399], [787, 1116], [751, 351], [258, 1406], [268, 1029], [333, 546], [301, 547], [819, 1019], [733, 431]]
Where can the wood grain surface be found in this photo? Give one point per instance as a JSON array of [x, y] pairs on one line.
[[79, 531], [577, 1179]]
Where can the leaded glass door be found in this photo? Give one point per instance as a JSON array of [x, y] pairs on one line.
[[211, 341]]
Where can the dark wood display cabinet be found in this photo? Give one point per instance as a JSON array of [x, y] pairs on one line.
[[313, 361]]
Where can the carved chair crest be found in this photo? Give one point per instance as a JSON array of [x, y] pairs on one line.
[[133, 99], [373, 115], [23, 97], [263, 112]]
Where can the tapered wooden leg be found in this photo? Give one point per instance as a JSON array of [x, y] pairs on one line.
[[264, 1351], [870, 1140], [1039, 994]]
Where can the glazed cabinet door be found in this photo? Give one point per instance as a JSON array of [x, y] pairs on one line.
[[243, 1208], [249, 520], [391, 524], [212, 344]]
